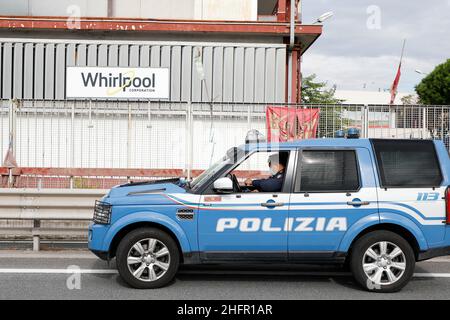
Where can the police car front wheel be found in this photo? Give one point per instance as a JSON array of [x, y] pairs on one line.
[[147, 258], [382, 261]]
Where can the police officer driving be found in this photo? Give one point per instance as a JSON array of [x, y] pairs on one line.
[[277, 164]]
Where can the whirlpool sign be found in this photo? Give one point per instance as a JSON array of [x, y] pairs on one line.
[[114, 83]]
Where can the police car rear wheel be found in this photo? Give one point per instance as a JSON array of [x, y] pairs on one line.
[[382, 261], [147, 258]]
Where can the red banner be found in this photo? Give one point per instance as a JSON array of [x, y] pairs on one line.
[[290, 123], [394, 86]]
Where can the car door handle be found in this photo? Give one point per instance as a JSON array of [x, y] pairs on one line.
[[358, 203], [272, 204]]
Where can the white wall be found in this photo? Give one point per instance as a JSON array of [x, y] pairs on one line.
[[14, 7], [187, 9], [97, 8], [227, 10], [155, 9]]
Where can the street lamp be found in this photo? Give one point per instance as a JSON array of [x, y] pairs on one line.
[[420, 72], [325, 16]]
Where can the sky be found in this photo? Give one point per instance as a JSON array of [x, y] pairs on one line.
[[361, 44]]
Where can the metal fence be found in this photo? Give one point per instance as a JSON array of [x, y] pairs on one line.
[[96, 144]]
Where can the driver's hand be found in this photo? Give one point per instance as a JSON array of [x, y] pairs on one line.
[[248, 182]]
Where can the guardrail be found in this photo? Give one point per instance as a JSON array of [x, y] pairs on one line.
[[47, 204]]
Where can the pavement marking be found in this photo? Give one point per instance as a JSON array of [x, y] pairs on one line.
[[432, 275], [57, 271], [436, 260], [201, 272], [47, 255]]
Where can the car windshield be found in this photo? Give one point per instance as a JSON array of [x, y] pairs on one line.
[[232, 156]]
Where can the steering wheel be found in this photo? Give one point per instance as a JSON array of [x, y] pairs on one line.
[[237, 187]]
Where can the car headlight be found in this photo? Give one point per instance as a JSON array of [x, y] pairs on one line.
[[102, 212]]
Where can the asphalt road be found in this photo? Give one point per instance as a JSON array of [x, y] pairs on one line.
[[28, 275]]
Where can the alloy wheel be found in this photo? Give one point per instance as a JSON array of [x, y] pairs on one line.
[[148, 259]]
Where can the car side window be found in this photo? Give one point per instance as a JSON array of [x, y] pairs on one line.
[[407, 164], [327, 171], [258, 169]]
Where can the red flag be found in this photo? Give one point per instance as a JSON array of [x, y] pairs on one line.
[[395, 84], [290, 123]]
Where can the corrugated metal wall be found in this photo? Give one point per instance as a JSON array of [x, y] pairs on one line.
[[234, 72]]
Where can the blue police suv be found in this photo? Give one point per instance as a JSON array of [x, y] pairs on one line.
[[375, 205]]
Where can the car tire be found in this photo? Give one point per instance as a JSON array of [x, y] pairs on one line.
[[382, 261], [147, 258]]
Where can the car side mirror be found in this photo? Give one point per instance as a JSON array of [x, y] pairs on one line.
[[223, 185]]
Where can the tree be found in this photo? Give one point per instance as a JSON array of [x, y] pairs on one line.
[[410, 99], [435, 87], [330, 118], [316, 93]]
